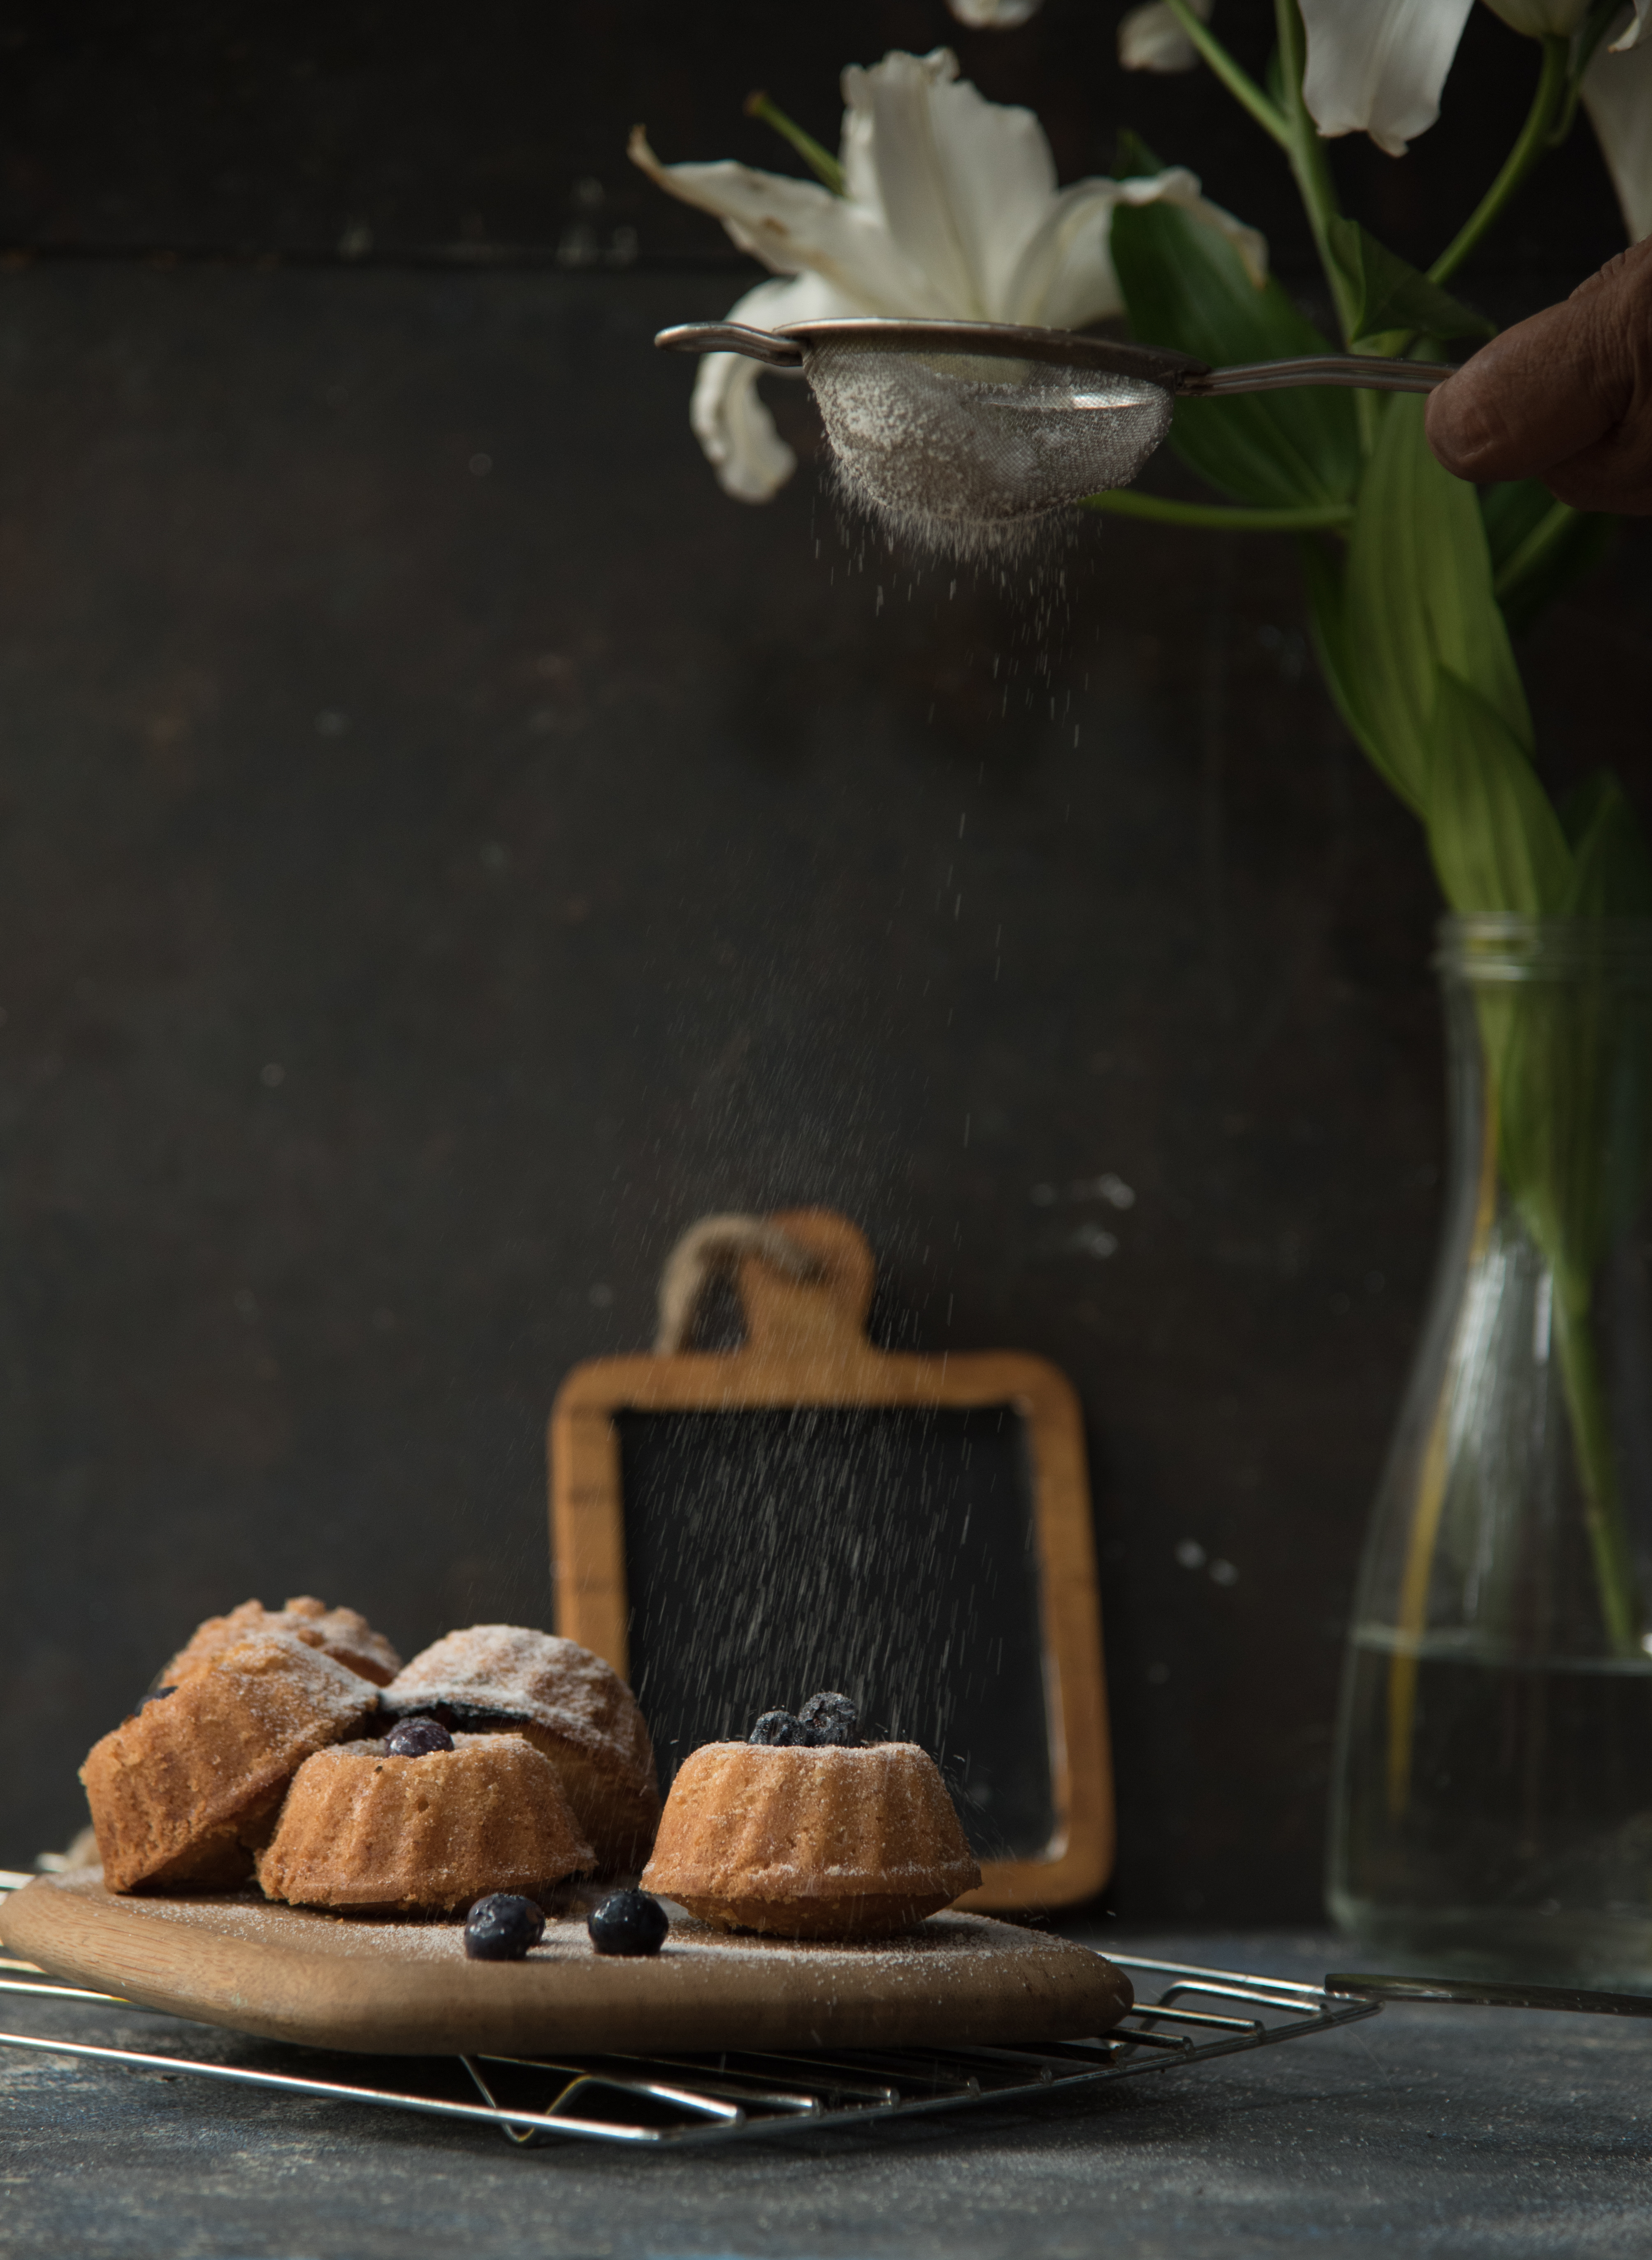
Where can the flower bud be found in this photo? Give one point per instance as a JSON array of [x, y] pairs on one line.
[[1150, 38], [1542, 18], [994, 15]]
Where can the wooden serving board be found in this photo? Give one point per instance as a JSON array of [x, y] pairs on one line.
[[399, 1988]]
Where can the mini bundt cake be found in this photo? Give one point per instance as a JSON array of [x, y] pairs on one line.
[[182, 1790], [811, 1840], [567, 1703], [341, 1633], [364, 1828]]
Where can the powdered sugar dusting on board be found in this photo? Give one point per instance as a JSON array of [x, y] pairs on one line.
[[937, 1944]]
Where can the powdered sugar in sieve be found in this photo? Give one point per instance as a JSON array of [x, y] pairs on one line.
[[954, 449]]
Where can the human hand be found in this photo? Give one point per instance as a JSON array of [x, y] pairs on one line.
[[1565, 397]]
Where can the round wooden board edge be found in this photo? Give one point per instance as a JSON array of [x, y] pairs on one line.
[[75, 1930]]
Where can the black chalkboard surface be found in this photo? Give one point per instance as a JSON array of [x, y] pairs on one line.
[[737, 1530], [886, 1553]]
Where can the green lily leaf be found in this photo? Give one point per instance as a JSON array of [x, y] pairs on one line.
[[1514, 509], [1539, 547], [1323, 577], [1495, 840], [1571, 1063], [1185, 287], [1566, 1058], [1390, 294], [1612, 866], [1133, 160], [1418, 599]]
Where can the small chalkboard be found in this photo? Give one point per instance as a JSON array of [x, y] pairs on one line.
[[733, 1530]]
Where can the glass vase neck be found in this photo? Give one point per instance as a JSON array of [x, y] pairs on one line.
[[1510, 946]]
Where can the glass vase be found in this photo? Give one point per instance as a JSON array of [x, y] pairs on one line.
[[1492, 1800]]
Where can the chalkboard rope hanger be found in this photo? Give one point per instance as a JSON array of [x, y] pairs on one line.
[[711, 1249]]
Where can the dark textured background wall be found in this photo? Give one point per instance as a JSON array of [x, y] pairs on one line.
[[445, 846]]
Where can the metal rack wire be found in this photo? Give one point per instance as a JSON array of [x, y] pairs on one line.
[[668, 2102]]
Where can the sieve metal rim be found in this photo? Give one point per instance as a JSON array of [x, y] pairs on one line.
[[1178, 373], [791, 347]]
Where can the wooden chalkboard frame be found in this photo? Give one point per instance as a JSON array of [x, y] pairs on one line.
[[805, 1345]]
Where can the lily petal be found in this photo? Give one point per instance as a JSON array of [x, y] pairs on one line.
[[1377, 66], [1178, 186], [1065, 277], [961, 182], [726, 416], [795, 226], [1618, 96], [1630, 36], [1151, 40]]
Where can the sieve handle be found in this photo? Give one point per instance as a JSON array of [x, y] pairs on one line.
[[731, 337], [1366, 370]]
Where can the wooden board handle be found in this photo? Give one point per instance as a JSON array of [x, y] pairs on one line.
[[825, 1316]]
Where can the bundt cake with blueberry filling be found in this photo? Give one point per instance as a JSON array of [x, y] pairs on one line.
[[805, 1831], [567, 1703], [408, 1826]]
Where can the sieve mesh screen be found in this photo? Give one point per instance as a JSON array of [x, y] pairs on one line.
[[959, 450]]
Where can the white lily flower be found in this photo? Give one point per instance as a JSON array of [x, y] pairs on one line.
[[1618, 96], [1151, 40], [994, 15], [950, 210], [1377, 66]]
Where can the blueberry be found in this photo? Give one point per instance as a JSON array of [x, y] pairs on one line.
[[779, 1730], [501, 1927], [628, 1922], [831, 1720], [417, 1738]]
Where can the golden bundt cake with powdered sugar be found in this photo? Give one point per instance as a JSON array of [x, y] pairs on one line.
[[342, 1634], [182, 1790], [567, 1703], [810, 1841], [367, 1828]]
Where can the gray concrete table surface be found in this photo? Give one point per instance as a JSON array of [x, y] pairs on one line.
[[1421, 2130]]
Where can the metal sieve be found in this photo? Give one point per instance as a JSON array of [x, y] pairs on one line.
[[957, 434]]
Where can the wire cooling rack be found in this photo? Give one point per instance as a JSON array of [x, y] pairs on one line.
[[656, 2102]]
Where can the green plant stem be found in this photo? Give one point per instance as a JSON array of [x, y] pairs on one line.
[[822, 162], [1239, 83], [1592, 1444], [1311, 166], [1583, 54], [1553, 84], [1427, 1506], [1226, 517], [1542, 538]]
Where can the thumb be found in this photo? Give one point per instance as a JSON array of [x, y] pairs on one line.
[[1565, 397]]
